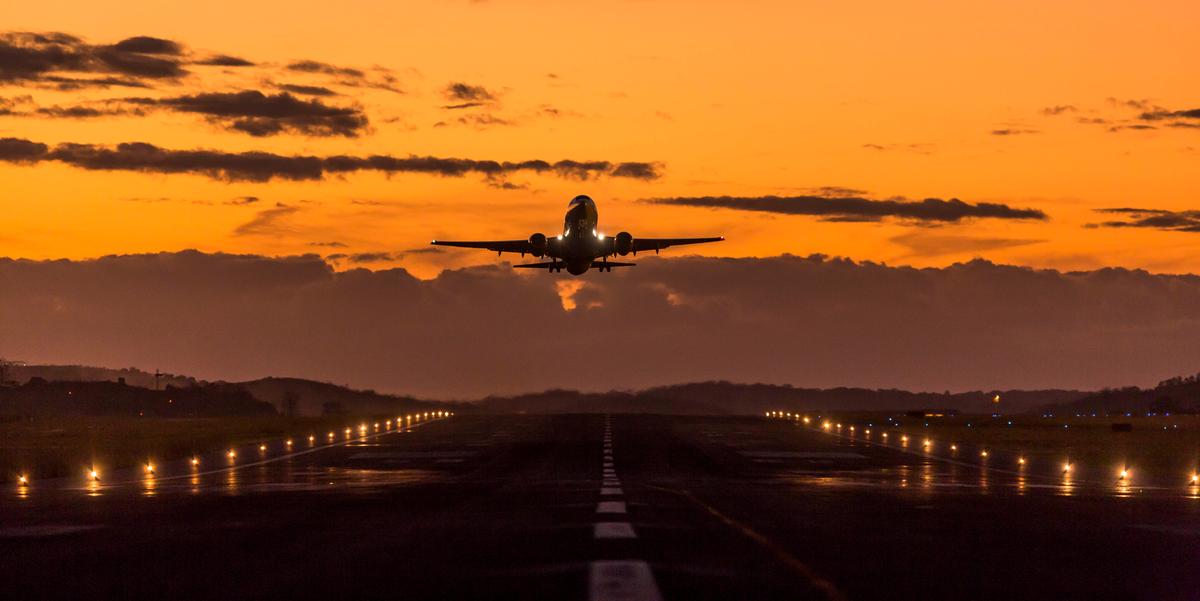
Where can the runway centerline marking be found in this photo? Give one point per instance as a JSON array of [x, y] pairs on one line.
[[606, 491], [613, 530], [610, 507], [622, 581]]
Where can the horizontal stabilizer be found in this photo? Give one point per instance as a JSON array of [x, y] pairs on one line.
[[538, 265]]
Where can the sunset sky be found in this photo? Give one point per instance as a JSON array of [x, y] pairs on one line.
[[306, 149], [1030, 105]]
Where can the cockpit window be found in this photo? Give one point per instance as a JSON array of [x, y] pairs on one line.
[[580, 200]]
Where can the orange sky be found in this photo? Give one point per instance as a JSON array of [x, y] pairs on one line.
[[740, 99]]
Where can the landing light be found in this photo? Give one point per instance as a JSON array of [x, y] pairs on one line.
[[311, 438], [953, 447], [1020, 461], [195, 461], [806, 420], [22, 480], [1067, 468], [262, 447], [1124, 473], [94, 475], [1195, 478], [983, 453], [232, 453], [289, 442], [150, 468]]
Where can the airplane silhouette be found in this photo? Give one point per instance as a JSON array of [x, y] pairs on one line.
[[580, 246]]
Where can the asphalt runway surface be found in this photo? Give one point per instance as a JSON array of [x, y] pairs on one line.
[[594, 507]]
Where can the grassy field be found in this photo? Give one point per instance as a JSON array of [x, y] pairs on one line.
[[1168, 447], [49, 447]]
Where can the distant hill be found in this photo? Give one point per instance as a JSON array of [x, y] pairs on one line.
[[314, 398], [20, 373], [730, 398], [39, 397], [1176, 395]]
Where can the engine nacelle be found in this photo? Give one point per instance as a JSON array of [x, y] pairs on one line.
[[537, 244], [623, 244]]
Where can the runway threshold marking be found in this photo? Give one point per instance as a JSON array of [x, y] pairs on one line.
[[818, 582], [622, 581]]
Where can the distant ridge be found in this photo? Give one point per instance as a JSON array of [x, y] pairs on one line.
[[308, 397]]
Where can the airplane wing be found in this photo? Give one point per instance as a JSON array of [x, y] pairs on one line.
[[657, 244], [499, 246]]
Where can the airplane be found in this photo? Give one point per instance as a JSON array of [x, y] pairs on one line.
[[580, 246]]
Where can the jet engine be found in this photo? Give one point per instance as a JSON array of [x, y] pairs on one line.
[[624, 243], [537, 244]]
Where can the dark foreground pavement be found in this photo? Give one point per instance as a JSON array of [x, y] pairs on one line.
[[528, 507]]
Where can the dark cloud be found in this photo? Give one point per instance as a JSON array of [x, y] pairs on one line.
[[1013, 132], [466, 93], [1059, 109], [806, 321], [249, 111], [92, 111], [378, 77], [310, 66], [1159, 115], [243, 201], [225, 60], [371, 257], [148, 45], [259, 114], [258, 166], [464, 105], [331, 244], [307, 90], [482, 121], [852, 208], [646, 171], [1159, 219], [57, 60]]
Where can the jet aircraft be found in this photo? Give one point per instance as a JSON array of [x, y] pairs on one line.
[[580, 246]]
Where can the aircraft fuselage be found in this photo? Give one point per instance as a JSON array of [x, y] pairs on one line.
[[580, 242]]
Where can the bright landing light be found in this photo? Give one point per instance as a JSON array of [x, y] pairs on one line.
[[22, 480]]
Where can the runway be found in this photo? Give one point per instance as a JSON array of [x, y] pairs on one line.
[[596, 507]]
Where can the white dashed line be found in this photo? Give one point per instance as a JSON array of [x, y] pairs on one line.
[[608, 464], [608, 491], [622, 581], [610, 507], [614, 530]]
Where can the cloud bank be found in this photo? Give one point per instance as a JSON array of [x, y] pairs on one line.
[[256, 166], [853, 208], [808, 321]]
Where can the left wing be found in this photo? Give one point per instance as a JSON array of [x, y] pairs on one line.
[[500, 246], [657, 244]]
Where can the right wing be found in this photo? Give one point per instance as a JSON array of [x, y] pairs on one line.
[[657, 244], [499, 246]]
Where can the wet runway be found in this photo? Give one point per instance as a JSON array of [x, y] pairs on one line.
[[596, 507]]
